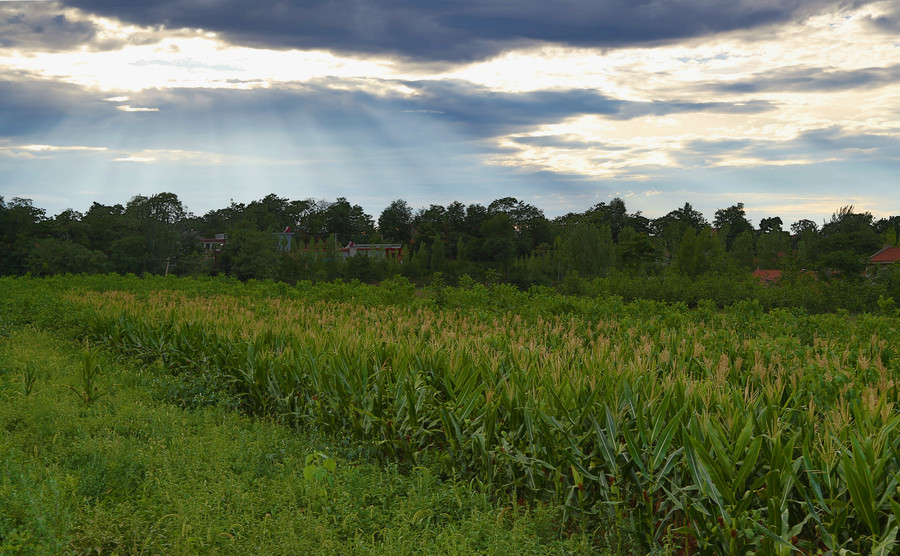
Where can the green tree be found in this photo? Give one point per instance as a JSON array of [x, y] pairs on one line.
[[498, 236], [429, 223], [771, 247], [529, 223], [616, 216], [732, 222], [587, 250], [252, 254], [742, 251], [438, 261], [769, 225], [127, 254], [347, 222], [269, 214], [697, 253], [56, 256], [669, 229], [159, 220], [847, 240], [635, 250], [68, 226], [395, 223], [806, 238], [20, 225]]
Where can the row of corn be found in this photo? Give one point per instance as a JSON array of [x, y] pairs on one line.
[[716, 431]]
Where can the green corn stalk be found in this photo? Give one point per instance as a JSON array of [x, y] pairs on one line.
[[88, 388], [649, 452]]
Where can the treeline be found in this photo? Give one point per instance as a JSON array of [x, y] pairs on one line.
[[678, 257]]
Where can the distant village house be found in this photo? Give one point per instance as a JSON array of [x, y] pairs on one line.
[[214, 245], [386, 250], [882, 259]]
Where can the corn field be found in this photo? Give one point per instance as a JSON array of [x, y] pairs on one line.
[[708, 431]]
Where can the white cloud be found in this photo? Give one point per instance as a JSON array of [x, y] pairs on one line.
[[128, 108], [44, 151], [132, 158]]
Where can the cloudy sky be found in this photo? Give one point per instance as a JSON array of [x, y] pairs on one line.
[[789, 106]]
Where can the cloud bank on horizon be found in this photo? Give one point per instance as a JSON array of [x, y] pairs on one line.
[[790, 106]]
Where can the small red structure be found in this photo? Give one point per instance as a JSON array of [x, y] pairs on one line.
[[387, 250], [883, 258], [214, 245], [767, 277]]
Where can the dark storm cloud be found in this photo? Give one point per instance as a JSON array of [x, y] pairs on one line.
[[813, 80], [46, 26], [28, 25], [481, 112], [488, 113], [453, 30]]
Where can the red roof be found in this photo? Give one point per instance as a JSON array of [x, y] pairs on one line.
[[767, 276], [886, 255]]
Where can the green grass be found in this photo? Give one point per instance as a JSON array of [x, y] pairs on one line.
[[136, 473]]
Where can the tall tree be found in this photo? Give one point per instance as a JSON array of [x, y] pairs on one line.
[[847, 240], [771, 247], [670, 229], [20, 225], [697, 253], [346, 222], [743, 250], [269, 214], [588, 250], [429, 223], [498, 236], [396, 222], [732, 222], [158, 218], [251, 254], [438, 261], [615, 215], [635, 250], [772, 224], [531, 226]]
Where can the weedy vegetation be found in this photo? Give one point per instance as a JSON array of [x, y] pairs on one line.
[[88, 388], [584, 424]]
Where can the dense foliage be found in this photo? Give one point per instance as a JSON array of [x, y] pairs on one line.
[[508, 240], [727, 431]]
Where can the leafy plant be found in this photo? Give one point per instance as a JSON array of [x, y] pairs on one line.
[[319, 468], [30, 375], [88, 387]]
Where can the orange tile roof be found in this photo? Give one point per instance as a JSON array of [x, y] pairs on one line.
[[886, 255], [767, 276]]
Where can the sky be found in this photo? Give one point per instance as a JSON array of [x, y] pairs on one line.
[[791, 107]]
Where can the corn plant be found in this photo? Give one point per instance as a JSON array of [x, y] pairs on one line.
[[30, 375], [88, 387], [727, 431]]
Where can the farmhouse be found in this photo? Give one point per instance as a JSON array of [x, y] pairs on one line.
[[214, 245], [386, 250], [883, 258]]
